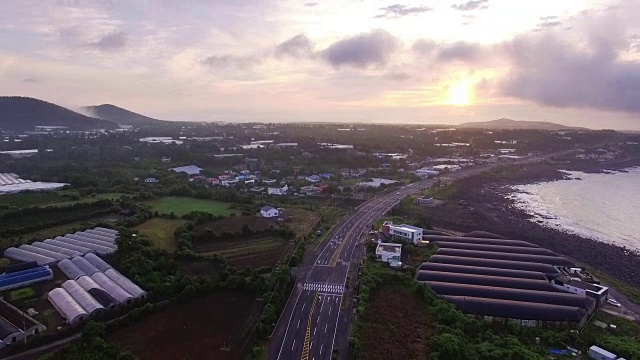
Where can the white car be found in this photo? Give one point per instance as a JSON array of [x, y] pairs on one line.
[[613, 302]]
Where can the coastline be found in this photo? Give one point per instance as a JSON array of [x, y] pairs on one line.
[[481, 202]]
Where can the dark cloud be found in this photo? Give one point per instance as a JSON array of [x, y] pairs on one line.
[[459, 51], [471, 5], [231, 62], [398, 76], [30, 80], [110, 42], [424, 47], [311, 4], [549, 24], [363, 50], [299, 46], [398, 10], [557, 73]]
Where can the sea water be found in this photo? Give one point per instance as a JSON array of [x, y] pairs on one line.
[[604, 207]]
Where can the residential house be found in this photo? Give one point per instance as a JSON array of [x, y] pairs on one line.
[[213, 181], [189, 170], [403, 232], [269, 181], [313, 178], [269, 212], [150, 180], [278, 191], [165, 159], [230, 182], [390, 253]]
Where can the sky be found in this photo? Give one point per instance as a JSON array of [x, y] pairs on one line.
[[575, 62]]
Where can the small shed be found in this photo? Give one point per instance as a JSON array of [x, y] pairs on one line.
[[269, 212]]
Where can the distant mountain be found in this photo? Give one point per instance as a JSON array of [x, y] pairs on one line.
[[119, 115], [24, 113], [508, 124]]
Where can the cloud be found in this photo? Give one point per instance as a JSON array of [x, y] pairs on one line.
[[362, 50], [549, 24], [110, 42], [424, 47], [398, 76], [231, 62], [398, 10], [547, 18], [311, 4], [471, 5], [555, 72], [459, 51], [299, 46], [30, 80]]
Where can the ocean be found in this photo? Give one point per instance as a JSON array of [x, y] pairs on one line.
[[604, 207]]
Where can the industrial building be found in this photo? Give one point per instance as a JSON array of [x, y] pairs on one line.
[[402, 232], [508, 280], [15, 325]]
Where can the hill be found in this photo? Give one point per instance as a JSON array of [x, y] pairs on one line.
[[119, 115], [508, 124], [25, 113]]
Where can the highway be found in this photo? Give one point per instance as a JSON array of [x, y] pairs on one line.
[[310, 320]]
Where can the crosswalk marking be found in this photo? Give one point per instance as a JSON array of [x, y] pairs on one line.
[[324, 288]]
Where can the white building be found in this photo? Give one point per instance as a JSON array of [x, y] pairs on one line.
[[278, 191], [406, 233], [269, 212], [597, 292], [150, 180], [389, 252]]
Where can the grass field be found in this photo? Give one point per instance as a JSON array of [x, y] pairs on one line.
[[55, 198], [234, 224], [259, 250], [160, 232], [184, 205], [396, 325], [21, 294], [197, 329]]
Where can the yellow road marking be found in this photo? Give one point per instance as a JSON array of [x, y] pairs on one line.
[[307, 338]]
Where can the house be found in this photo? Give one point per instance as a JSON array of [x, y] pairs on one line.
[[150, 180], [165, 159], [240, 167], [269, 212], [213, 181], [189, 170], [269, 181], [313, 178], [405, 232], [598, 292], [389, 253], [224, 177], [245, 172], [278, 191], [230, 182], [310, 190]]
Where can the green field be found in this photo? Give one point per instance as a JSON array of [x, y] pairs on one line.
[[53, 198], [160, 232], [184, 205], [21, 294]]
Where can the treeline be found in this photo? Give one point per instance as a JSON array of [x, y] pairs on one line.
[[20, 221]]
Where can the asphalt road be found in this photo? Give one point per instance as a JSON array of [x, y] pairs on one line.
[[310, 318]]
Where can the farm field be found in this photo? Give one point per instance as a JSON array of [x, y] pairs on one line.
[[301, 220], [197, 329], [234, 224], [396, 325], [183, 205], [258, 250], [160, 232], [53, 198]]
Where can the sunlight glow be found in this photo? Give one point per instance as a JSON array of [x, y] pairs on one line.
[[460, 93]]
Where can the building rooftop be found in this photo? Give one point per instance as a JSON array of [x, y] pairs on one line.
[[267, 208], [405, 227], [389, 247], [584, 285], [189, 169]]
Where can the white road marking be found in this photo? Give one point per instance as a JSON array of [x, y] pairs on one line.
[[321, 349], [294, 344], [325, 327], [314, 331], [329, 309], [298, 324]]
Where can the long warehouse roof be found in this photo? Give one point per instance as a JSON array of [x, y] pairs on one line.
[[496, 248], [551, 260], [485, 280], [463, 269], [546, 269], [472, 240]]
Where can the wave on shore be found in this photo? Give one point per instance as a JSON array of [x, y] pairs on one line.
[[601, 206]]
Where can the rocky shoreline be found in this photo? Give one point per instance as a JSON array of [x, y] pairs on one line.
[[481, 203]]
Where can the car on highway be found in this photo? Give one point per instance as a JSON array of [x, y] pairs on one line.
[[398, 193]]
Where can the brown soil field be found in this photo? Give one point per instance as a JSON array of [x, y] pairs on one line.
[[198, 268], [197, 329], [234, 224], [258, 250], [396, 326]]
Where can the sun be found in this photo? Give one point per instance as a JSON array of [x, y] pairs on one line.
[[459, 93]]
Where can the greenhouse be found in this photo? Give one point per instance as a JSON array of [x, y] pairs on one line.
[[112, 288], [86, 267], [25, 277], [101, 250], [82, 297], [546, 269], [125, 283], [90, 240], [56, 249], [70, 269], [98, 235], [551, 260], [98, 263], [67, 306], [43, 252], [496, 248], [80, 249], [464, 269], [21, 255], [485, 280]]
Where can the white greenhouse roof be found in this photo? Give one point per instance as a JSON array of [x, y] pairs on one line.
[[70, 269], [67, 306], [82, 297], [21, 255], [112, 288], [86, 267], [125, 283], [97, 262]]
